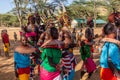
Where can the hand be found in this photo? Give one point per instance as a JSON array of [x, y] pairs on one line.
[[58, 66], [85, 61], [66, 71], [91, 55], [5, 46]]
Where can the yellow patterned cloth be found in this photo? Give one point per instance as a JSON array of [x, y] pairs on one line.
[[6, 47], [24, 77]]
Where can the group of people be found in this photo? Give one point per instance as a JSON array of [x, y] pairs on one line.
[[46, 48], [51, 50]]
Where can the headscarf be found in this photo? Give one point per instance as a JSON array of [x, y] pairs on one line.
[[114, 18]]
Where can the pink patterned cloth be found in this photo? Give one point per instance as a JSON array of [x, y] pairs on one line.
[[45, 75], [30, 34], [90, 65], [21, 33]]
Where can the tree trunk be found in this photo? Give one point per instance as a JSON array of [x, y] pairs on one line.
[[20, 23], [17, 4], [20, 20], [95, 14], [0, 21]]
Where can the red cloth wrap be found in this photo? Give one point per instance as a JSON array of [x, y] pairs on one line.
[[24, 70]]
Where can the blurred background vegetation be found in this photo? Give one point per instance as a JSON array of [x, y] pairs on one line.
[[98, 9]]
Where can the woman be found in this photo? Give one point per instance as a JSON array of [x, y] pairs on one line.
[[86, 51], [22, 59], [31, 28], [111, 49], [115, 19], [89, 39], [90, 24], [51, 55]]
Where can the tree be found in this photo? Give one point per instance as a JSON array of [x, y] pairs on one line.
[[20, 9], [8, 20], [110, 4], [85, 9], [80, 8]]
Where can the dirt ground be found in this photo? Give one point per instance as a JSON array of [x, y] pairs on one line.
[[7, 64]]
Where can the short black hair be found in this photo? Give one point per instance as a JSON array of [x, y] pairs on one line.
[[53, 32], [109, 28], [88, 33]]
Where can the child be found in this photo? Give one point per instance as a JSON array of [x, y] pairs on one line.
[[5, 40], [68, 59], [15, 36]]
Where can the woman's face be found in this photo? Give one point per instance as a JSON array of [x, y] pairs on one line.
[[112, 35], [24, 41]]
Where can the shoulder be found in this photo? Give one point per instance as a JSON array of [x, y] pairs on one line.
[[111, 46], [24, 50], [17, 48], [52, 52], [114, 41], [114, 46], [53, 44]]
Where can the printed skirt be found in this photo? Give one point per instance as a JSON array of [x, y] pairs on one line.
[[45, 75], [106, 74]]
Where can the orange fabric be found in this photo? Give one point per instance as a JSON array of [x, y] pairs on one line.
[[24, 77], [6, 47], [106, 74]]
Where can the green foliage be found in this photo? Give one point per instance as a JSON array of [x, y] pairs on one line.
[[85, 8], [78, 9], [8, 20]]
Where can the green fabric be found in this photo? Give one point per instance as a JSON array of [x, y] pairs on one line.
[[55, 54], [87, 49], [41, 49]]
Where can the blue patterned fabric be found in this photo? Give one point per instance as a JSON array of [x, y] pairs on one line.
[[21, 60], [114, 54]]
